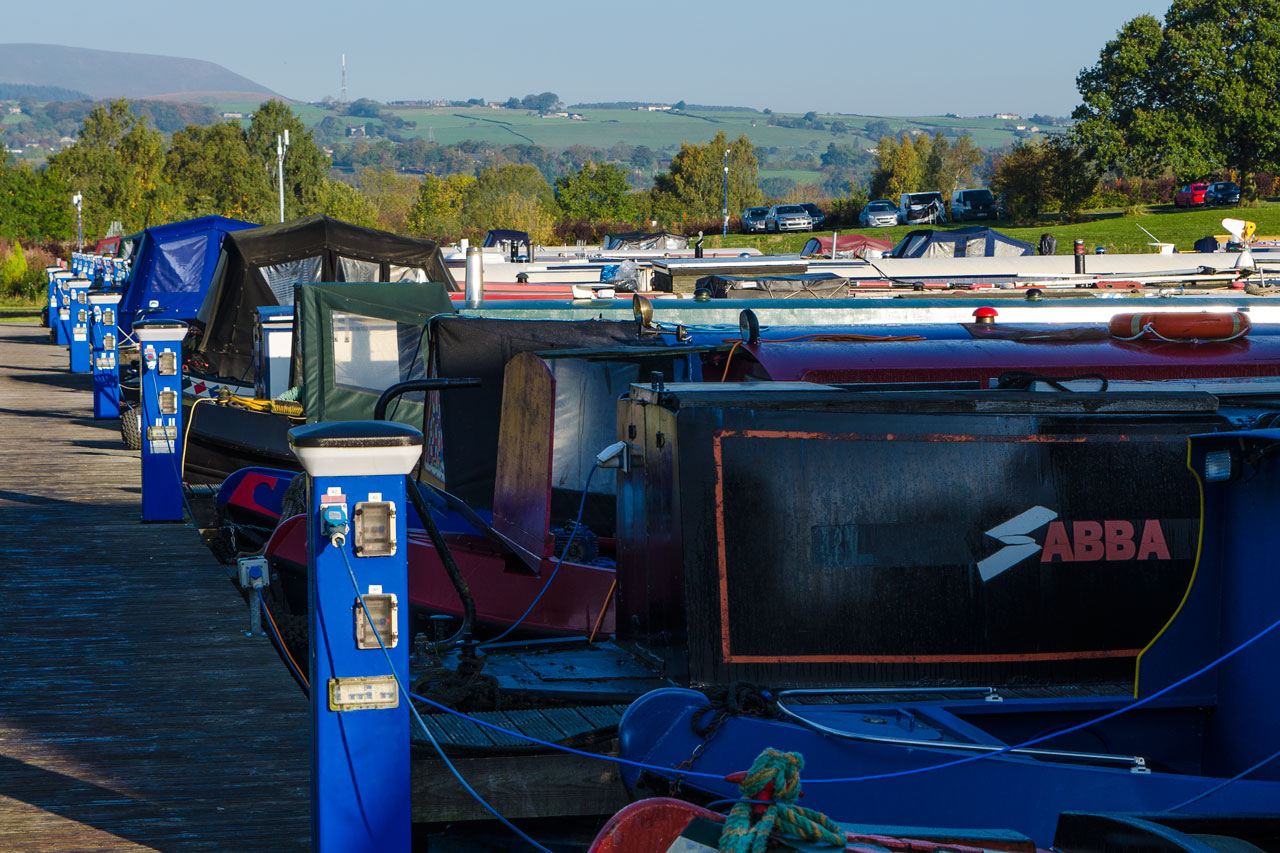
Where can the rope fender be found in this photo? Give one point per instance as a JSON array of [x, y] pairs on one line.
[[774, 776]]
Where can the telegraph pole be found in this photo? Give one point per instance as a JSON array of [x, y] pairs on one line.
[[725, 210]]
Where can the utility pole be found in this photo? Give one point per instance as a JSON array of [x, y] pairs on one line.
[[77, 200], [282, 145], [725, 210]]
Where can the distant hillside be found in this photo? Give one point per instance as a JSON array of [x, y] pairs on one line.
[[18, 91], [109, 74]]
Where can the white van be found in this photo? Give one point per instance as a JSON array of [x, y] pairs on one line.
[[921, 208], [973, 204]]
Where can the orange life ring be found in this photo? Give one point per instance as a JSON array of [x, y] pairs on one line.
[[1170, 326]]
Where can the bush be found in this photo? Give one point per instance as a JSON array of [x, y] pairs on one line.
[[22, 274]]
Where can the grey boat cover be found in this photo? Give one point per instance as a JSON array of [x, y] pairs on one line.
[[663, 241], [798, 286], [971, 242]]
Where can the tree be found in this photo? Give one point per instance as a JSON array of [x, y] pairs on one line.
[[34, 205], [305, 165], [1193, 95], [596, 193], [117, 164], [1033, 177], [544, 103], [343, 201], [214, 172], [438, 208], [509, 197], [898, 168], [694, 187], [392, 195]]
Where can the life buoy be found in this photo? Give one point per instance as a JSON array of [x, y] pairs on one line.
[[1169, 326]]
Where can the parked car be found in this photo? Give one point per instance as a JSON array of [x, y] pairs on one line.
[[1222, 192], [753, 219], [788, 217], [1190, 195], [973, 204], [921, 208], [819, 218], [880, 213]]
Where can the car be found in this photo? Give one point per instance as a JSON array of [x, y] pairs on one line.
[[753, 219], [973, 204], [1222, 192], [788, 217], [819, 218], [880, 213], [921, 208], [1190, 195]]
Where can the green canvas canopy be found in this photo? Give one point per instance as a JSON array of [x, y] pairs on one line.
[[353, 340]]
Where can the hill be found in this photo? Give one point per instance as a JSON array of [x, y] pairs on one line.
[[110, 74]]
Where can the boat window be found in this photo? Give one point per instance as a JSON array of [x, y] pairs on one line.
[[371, 354], [351, 269], [975, 247], [940, 249], [282, 277], [407, 274], [1006, 250]]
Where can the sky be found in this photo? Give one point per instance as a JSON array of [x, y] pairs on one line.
[[918, 57]]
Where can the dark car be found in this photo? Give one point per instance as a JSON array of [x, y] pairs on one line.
[[1190, 195], [753, 219], [1222, 192], [819, 218]]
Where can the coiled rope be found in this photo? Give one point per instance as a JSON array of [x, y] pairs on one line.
[[775, 776]]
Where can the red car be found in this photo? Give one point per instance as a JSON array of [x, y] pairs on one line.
[[1191, 194]]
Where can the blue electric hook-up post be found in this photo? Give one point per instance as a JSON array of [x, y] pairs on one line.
[[359, 635], [160, 345]]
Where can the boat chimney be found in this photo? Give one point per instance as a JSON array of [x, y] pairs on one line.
[[985, 316], [1079, 250], [475, 278]]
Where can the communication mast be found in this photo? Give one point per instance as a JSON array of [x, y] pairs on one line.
[[342, 95]]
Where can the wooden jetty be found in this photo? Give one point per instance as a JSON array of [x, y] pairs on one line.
[[135, 714]]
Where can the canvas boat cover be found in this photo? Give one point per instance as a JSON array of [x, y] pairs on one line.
[[352, 341], [173, 267], [504, 237], [461, 431], [260, 267], [798, 286], [847, 246], [972, 242], [662, 241]]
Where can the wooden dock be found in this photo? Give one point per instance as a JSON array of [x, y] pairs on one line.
[[135, 714]]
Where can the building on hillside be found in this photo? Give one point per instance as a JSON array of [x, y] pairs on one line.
[[233, 115], [1007, 116]]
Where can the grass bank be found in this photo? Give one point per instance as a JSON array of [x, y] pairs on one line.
[[1117, 230]]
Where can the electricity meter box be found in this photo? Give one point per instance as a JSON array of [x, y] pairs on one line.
[[78, 309], [357, 579], [104, 352], [272, 350], [160, 345]]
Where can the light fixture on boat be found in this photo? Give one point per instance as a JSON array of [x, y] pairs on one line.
[[1219, 466], [642, 310], [985, 316], [749, 326]]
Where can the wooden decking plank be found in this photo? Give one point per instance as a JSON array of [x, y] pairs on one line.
[[136, 714]]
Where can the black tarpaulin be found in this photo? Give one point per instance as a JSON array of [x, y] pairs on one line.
[[663, 241], [972, 242], [260, 267]]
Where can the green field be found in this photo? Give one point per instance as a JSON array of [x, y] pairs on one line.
[[1114, 230]]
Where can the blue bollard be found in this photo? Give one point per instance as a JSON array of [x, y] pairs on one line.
[[360, 792], [55, 298], [62, 329], [104, 347], [78, 324], [160, 345]]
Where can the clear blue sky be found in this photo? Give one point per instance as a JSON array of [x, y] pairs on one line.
[[914, 57]]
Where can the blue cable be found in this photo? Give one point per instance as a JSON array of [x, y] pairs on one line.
[[421, 722], [914, 771], [1236, 778], [582, 505]]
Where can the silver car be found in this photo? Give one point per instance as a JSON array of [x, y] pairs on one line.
[[881, 213], [753, 219], [788, 217]]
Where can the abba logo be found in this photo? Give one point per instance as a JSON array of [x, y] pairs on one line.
[[1068, 542]]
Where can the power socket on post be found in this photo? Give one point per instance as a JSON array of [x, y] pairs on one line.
[[253, 572]]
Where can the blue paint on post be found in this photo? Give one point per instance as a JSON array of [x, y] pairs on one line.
[[78, 325], [104, 353], [359, 718], [160, 345]]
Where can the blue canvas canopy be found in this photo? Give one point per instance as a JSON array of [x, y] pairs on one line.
[[971, 242], [172, 268]]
